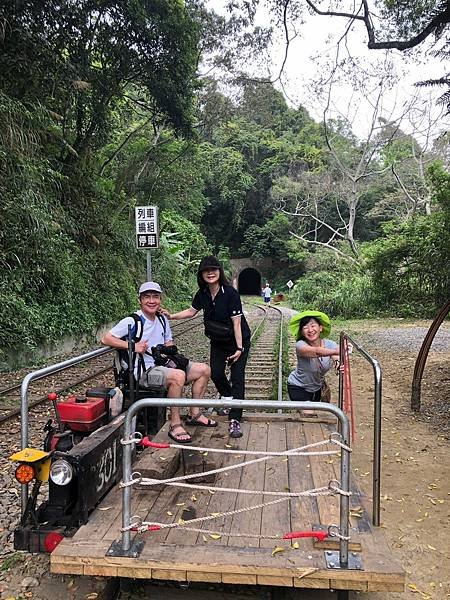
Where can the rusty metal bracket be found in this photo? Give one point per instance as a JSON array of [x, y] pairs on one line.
[[354, 561], [116, 549]]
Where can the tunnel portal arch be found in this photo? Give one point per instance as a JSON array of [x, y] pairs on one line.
[[249, 282]]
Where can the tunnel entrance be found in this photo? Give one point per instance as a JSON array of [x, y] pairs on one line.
[[249, 282]]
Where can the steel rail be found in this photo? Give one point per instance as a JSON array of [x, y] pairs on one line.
[[376, 450], [6, 391], [42, 399]]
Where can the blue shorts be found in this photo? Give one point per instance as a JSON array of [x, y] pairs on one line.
[[266, 298]]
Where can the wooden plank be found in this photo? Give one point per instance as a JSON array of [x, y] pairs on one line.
[[223, 502], [276, 518], [360, 586], [242, 579], [322, 471], [196, 501], [290, 416], [171, 574], [158, 463], [252, 478], [202, 576], [194, 461], [279, 581], [304, 511]]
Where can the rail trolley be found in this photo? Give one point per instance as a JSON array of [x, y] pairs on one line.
[[277, 507]]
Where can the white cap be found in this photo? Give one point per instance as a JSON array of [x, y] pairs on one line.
[[150, 286]]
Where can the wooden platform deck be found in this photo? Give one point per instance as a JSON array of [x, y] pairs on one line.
[[177, 554]]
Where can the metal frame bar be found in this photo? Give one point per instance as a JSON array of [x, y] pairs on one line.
[[376, 469], [24, 398], [250, 404]]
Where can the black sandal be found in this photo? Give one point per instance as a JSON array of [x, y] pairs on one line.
[[194, 421], [178, 438]]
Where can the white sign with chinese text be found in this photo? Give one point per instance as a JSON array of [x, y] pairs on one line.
[[147, 231]]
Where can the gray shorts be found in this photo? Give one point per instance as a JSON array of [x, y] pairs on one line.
[[155, 378]]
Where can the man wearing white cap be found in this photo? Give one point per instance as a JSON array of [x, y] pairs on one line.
[[156, 330]]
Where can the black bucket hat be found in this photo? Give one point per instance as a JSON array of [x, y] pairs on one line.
[[209, 262]]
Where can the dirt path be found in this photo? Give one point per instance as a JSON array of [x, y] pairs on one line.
[[415, 484]]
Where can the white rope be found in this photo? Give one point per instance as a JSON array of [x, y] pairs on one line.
[[147, 481], [286, 453], [323, 491]]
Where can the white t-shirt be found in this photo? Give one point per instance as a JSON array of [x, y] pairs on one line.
[[153, 333], [267, 292]]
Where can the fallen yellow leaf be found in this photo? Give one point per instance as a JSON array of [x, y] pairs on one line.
[[215, 536], [277, 550]]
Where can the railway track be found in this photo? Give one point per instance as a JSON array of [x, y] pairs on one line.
[[10, 395]]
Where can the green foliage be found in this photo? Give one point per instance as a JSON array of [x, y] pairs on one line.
[[273, 239], [410, 263], [346, 295], [79, 59]]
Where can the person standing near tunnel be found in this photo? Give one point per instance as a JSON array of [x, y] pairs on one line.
[[228, 331], [267, 292]]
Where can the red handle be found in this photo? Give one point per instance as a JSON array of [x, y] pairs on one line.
[[147, 443], [149, 528], [320, 535]]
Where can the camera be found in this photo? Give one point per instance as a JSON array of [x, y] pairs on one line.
[[160, 352]]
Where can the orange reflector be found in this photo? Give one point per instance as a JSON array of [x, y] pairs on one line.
[[52, 540], [24, 473]]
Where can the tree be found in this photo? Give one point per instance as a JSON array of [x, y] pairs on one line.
[[82, 59], [389, 25]]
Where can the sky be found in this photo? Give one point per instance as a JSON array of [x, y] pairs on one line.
[[313, 52]]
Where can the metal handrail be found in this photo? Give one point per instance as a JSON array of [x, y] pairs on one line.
[[376, 469], [24, 397], [250, 404]]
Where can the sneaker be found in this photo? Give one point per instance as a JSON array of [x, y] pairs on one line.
[[223, 411], [234, 429]]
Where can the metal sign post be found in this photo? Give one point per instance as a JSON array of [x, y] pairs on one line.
[[147, 232], [290, 284]]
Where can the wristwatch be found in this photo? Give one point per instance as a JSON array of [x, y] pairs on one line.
[[240, 349]]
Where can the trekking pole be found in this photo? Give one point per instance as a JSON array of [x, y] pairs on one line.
[[131, 367]]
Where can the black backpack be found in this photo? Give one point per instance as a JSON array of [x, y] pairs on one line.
[[121, 364]]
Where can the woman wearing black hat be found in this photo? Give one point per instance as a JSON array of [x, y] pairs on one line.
[[228, 330]]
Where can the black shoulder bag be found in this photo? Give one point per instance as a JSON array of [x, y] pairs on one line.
[[217, 331]]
